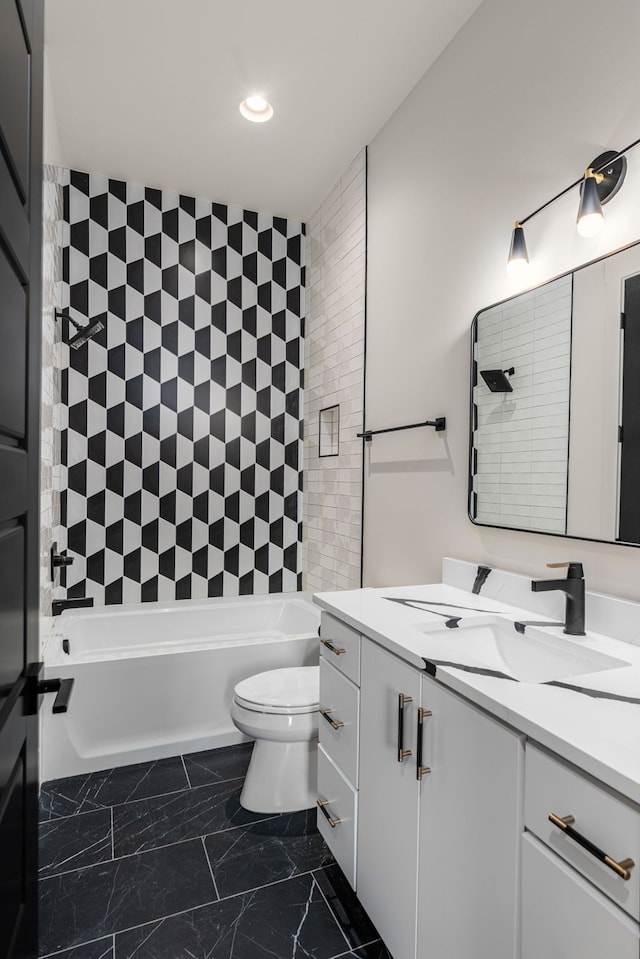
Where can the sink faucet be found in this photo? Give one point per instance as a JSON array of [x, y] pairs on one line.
[[573, 586]]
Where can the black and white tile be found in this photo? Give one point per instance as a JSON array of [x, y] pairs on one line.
[[186, 881], [182, 445]]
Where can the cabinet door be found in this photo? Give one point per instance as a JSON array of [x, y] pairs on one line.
[[470, 827], [388, 799], [564, 916]]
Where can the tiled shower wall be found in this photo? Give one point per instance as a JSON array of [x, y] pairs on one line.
[[183, 447], [334, 346], [521, 439], [50, 446]]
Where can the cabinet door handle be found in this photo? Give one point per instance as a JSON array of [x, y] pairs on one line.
[[420, 769], [338, 650], [402, 702], [322, 804], [335, 724], [622, 868]]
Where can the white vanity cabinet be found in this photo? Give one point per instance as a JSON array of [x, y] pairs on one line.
[[470, 825], [438, 832], [573, 904], [564, 916], [387, 840], [339, 740]]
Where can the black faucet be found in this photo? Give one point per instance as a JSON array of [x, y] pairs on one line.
[[573, 586], [59, 605]]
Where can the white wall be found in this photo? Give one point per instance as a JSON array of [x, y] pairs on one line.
[[513, 111], [334, 375]]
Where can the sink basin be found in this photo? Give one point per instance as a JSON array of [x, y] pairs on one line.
[[532, 657]]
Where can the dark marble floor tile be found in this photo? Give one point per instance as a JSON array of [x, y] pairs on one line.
[[76, 794], [265, 852], [185, 815], [77, 841], [375, 950], [100, 949], [218, 765], [346, 908], [79, 906], [287, 919]]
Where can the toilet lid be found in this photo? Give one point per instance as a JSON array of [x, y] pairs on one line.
[[292, 690]]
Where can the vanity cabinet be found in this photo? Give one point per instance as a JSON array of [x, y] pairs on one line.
[[439, 815], [387, 846], [564, 916], [339, 741], [573, 904]]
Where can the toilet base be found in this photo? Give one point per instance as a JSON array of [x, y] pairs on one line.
[[282, 777]]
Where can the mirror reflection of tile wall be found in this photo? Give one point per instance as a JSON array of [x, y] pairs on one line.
[[521, 440]]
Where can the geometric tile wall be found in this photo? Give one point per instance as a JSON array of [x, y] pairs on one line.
[[183, 437]]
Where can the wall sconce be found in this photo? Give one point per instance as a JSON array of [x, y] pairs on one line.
[[599, 184], [497, 380]]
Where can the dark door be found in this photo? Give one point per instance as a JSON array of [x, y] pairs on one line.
[[629, 524], [20, 236]]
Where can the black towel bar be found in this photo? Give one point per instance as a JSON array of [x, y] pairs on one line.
[[439, 424]]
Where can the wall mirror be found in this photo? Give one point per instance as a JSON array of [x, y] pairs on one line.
[[555, 406]]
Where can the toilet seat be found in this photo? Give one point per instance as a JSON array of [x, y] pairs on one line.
[[291, 691]]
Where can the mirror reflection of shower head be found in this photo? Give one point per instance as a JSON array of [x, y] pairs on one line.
[[83, 333], [497, 380]]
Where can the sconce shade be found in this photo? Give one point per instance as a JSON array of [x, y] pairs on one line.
[[590, 216], [518, 256]]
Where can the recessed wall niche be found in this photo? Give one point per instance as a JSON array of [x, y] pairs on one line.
[[329, 431], [183, 447]]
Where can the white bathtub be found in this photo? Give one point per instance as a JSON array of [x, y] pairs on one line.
[[156, 679]]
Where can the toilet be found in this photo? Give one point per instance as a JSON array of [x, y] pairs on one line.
[[279, 709]]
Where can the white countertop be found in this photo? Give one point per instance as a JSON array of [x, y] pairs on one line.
[[579, 718]]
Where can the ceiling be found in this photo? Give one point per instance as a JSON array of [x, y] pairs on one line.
[[148, 90]]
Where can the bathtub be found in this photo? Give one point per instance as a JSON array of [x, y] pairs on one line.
[[156, 679]]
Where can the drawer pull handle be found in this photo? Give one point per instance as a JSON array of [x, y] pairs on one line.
[[402, 702], [338, 650], [321, 804], [335, 724], [622, 868], [420, 769]]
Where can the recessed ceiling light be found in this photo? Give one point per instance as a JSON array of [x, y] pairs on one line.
[[256, 109]]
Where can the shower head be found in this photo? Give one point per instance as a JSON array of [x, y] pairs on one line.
[[497, 380], [83, 333]]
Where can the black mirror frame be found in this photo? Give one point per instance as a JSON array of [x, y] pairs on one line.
[[473, 377]]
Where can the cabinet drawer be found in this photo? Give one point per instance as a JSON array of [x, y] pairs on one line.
[[604, 818], [340, 645], [564, 917], [341, 803], [341, 700]]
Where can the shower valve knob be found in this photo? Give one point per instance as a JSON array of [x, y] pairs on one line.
[[58, 560]]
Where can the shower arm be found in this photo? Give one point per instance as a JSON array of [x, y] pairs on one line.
[[61, 315]]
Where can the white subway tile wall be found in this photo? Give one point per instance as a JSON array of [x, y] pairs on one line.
[[334, 364], [50, 426], [521, 439]]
